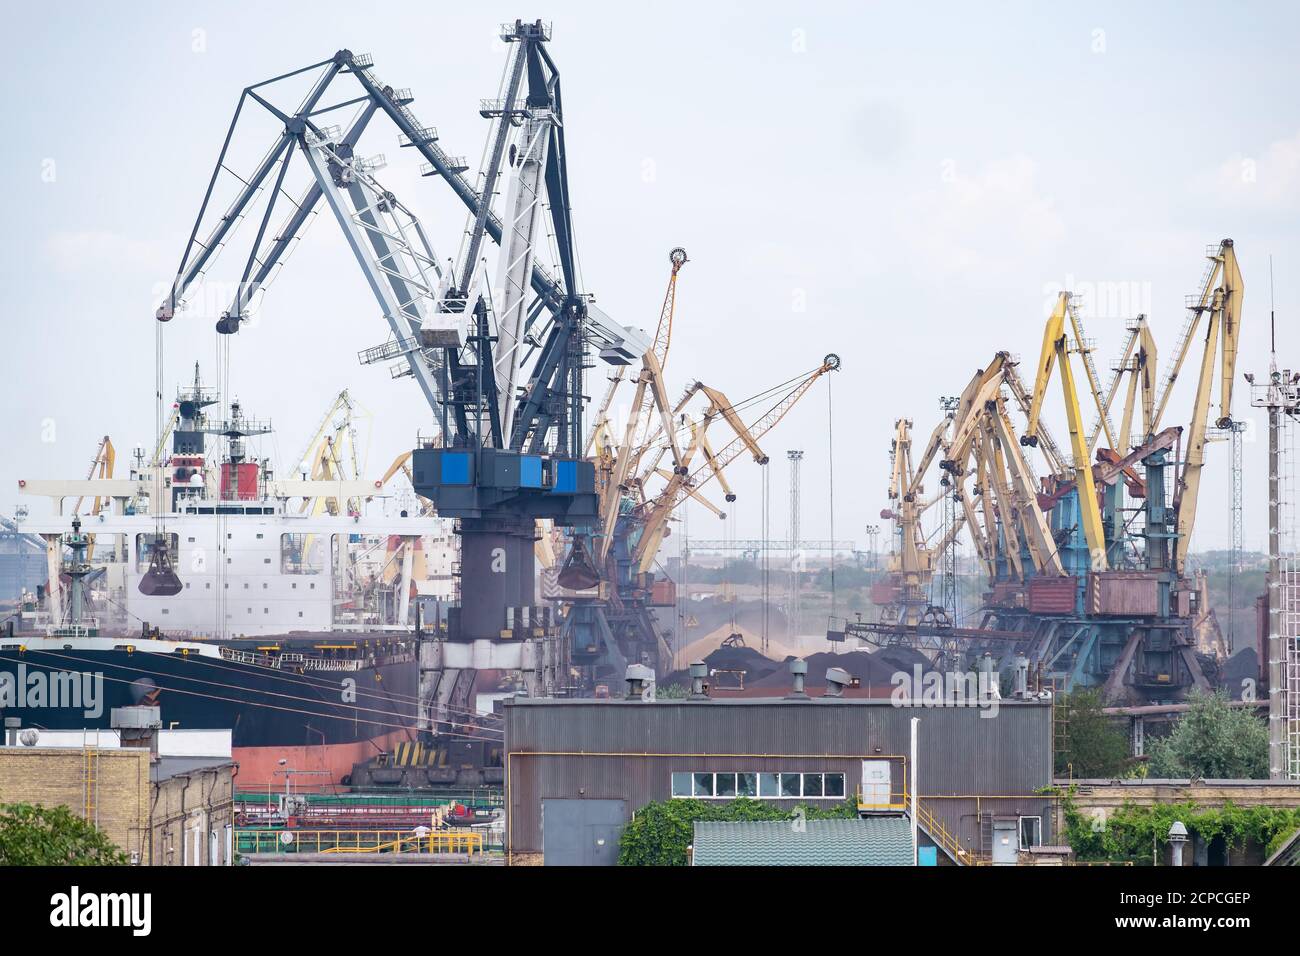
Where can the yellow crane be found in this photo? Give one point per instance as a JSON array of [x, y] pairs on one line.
[[684, 482], [101, 467], [1056, 352], [1221, 304], [615, 463]]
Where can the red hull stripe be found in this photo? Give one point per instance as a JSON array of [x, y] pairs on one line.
[[258, 765]]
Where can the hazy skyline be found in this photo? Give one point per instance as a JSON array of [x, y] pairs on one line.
[[904, 186]]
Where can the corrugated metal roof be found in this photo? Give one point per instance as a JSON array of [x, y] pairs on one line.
[[873, 841]]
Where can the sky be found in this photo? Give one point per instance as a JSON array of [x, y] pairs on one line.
[[905, 185]]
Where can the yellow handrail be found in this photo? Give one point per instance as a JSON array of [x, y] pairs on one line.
[[470, 842]]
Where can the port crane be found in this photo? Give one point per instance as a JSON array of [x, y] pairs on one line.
[[499, 359], [1093, 592]]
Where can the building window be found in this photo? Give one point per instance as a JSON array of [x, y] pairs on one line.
[[747, 785], [702, 785], [1031, 832], [790, 785], [681, 784], [732, 785], [724, 784]]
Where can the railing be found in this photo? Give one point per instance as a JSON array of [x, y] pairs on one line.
[[869, 802], [941, 835], [471, 843], [934, 826]]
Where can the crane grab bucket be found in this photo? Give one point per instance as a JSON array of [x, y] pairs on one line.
[[160, 580], [579, 571]]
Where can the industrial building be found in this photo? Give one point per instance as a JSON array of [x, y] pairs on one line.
[[170, 809], [577, 770]]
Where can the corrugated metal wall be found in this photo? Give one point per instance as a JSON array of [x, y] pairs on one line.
[[628, 751]]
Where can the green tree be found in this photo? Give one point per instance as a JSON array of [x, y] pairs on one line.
[[1212, 740], [52, 836], [1090, 743]]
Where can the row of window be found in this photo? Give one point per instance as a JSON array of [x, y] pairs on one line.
[[265, 585], [265, 610], [764, 786]]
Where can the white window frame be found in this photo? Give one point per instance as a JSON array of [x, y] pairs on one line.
[[1020, 831], [758, 794]]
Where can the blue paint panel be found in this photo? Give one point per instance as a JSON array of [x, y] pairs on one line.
[[566, 477], [455, 468], [927, 855], [530, 471]]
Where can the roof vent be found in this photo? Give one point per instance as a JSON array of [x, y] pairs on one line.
[[699, 686], [1021, 686], [837, 678], [638, 678], [137, 726], [798, 671]]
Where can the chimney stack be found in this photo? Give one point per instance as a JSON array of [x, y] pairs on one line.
[[11, 731], [837, 678], [699, 689], [638, 676], [798, 670], [138, 727]]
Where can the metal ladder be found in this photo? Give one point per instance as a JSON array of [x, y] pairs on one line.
[[90, 784]]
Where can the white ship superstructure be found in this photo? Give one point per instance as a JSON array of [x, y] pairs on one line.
[[254, 554]]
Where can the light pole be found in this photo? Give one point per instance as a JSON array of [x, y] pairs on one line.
[[873, 530]]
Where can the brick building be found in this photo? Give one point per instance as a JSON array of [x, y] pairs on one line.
[[161, 811]]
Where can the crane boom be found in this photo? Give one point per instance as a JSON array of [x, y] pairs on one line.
[[658, 510]]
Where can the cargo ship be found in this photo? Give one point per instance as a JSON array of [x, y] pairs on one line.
[[284, 610]]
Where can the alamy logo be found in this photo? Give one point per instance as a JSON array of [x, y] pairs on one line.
[[75, 908], [58, 690], [953, 689]]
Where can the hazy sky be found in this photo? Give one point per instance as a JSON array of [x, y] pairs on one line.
[[904, 184]]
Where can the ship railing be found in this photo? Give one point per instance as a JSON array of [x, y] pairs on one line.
[[324, 664], [259, 659]]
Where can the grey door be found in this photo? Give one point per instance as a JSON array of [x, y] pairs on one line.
[[1006, 842], [582, 832]]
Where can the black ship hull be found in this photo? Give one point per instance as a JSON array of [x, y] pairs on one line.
[[318, 702]]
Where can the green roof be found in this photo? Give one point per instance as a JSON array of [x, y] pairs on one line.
[[870, 841]]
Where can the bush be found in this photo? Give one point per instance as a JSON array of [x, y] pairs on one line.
[[1131, 833]]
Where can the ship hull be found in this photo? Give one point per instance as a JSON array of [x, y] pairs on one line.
[[324, 715]]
